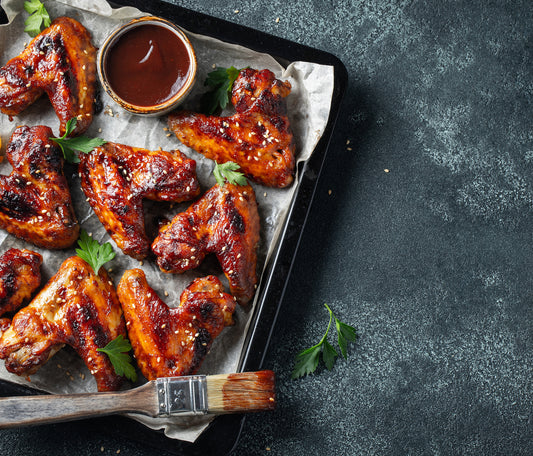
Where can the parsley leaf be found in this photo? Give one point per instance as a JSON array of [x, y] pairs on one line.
[[70, 146], [221, 82], [117, 352], [94, 253], [38, 18], [228, 171], [308, 359]]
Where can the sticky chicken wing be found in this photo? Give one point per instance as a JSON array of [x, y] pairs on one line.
[[115, 178], [258, 136], [20, 275], [77, 308], [225, 222], [60, 61], [172, 342], [35, 201]]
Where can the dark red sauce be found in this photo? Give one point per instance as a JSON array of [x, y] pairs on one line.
[[147, 65]]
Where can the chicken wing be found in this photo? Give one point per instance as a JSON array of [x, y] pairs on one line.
[[224, 221], [35, 202], [20, 275], [258, 136], [77, 308], [172, 342], [60, 61], [115, 178]]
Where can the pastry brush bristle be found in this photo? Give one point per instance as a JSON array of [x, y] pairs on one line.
[[243, 392]]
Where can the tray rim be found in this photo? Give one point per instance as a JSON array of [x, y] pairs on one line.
[[221, 436]]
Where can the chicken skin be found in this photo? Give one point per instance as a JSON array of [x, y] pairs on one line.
[[258, 136], [35, 201], [172, 342], [225, 222], [115, 178], [20, 275], [60, 61], [77, 308]]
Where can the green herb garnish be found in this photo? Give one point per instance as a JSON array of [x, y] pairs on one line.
[[38, 18], [70, 146], [221, 82], [228, 172], [117, 352], [94, 253], [308, 359]]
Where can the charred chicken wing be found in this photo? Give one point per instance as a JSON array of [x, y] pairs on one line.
[[35, 202], [172, 342], [116, 178], [77, 308], [20, 275], [60, 61], [225, 222], [257, 137]]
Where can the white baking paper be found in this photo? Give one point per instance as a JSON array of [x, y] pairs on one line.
[[308, 107]]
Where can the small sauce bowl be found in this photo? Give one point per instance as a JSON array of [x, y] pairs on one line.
[[148, 66]]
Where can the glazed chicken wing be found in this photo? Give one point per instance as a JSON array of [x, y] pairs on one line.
[[224, 221], [116, 178], [257, 137], [77, 308], [20, 275], [35, 202], [172, 342], [60, 61]]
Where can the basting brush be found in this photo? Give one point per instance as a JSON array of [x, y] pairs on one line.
[[164, 397]]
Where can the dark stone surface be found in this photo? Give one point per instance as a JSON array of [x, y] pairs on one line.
[[431, 261]]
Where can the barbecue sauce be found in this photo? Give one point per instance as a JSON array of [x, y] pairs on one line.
[[147, 65]]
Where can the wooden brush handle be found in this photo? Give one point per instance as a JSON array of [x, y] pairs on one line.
[[34, 410]]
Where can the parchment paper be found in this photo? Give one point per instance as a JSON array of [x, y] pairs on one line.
[[308, 107]]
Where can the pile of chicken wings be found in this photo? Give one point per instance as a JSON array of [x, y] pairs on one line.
[[82, 308]]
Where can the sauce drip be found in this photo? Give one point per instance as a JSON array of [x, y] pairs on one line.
[[147, 65]]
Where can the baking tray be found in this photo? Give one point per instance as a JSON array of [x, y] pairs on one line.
[[222, 434]]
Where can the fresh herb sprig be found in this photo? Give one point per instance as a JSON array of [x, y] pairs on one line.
[[70, 146], [117, 352], [221, 82], [38, 17], [308, 359], [94, 253], [228, 172]]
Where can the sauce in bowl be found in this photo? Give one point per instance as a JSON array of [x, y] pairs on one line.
[[147, 66]]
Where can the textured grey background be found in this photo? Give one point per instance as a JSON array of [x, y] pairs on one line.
[[431, 261]]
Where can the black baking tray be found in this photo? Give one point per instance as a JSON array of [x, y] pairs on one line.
[[222, 435]]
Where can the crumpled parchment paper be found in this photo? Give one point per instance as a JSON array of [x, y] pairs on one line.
[[308, 107]]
